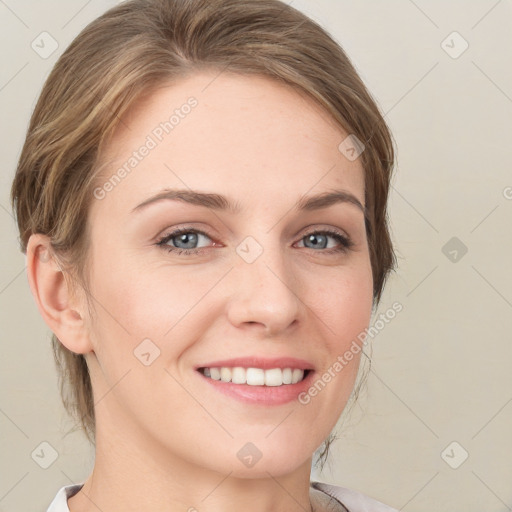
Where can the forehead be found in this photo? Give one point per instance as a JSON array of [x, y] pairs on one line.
[[248, 137]]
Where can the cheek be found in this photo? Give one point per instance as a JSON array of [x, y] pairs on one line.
[[131, 296], [135, 301], [344, 302], [343, 305]]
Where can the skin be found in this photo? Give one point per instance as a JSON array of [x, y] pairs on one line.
[[165, 439]]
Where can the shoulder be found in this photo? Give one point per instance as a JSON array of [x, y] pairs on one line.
[[60, 502], [354, 501]]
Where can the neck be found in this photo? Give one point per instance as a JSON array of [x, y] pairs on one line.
[[133, 474]]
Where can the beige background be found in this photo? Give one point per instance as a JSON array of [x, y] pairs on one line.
[[441, 367]]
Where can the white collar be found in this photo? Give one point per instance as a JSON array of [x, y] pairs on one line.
[[60, 502]]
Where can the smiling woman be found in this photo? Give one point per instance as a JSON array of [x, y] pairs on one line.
[[195, 299]]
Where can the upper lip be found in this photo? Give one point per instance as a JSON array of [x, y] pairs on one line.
[[260, 362]]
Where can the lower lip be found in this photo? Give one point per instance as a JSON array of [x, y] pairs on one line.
[[264, 395]]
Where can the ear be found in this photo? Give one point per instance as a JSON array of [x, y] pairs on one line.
[[50, 290]]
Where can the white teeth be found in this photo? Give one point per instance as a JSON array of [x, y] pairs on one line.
[[225, 374], [238, 375], [297, 375], [255, 376]]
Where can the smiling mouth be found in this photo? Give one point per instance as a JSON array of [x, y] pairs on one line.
[[256, 376]]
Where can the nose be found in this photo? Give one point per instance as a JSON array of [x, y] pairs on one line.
[[265, 295]]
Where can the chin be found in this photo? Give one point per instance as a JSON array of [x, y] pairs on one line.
[[258, 460]]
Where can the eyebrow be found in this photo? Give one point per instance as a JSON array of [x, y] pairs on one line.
[[222, 203]]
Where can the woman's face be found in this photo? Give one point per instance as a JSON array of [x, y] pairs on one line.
[[259, 280]]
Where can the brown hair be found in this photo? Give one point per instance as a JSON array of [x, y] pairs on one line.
[[142, 44]]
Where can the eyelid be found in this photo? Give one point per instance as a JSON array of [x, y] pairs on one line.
[[312, 228], [174, 232], [324, 228], [345, 242]]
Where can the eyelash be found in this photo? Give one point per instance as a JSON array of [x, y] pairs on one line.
[[345, 242]]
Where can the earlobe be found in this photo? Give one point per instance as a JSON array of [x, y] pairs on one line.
[[50, 290]]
